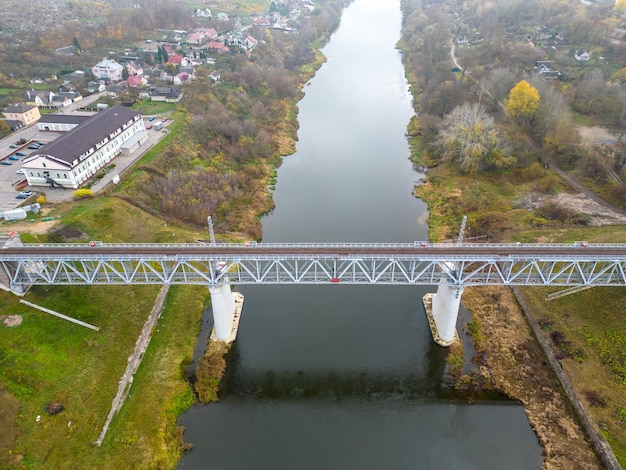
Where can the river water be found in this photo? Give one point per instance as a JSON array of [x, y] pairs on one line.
[[348, 377]]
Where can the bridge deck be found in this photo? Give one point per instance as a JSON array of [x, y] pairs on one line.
[[409, 264]]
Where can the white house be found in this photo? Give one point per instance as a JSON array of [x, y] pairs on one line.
[[76, 156], [581, 55], [107, 69]]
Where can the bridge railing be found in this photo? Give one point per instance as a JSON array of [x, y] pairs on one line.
[[416, 244]]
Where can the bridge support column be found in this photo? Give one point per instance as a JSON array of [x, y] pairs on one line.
[[442, 309], [223, 306]]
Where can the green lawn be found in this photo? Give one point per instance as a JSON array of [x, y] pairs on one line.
[[148, 108], [46, 359]]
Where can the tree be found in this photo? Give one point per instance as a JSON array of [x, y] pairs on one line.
[[469, 136], [523, 101], [620, 4], [4, 128], [76, 44]]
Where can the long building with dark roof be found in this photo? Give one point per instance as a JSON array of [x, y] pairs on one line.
[[75, 157], [60, 122]]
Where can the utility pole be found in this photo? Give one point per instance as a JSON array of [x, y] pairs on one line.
[[459, 240], [211, 232]]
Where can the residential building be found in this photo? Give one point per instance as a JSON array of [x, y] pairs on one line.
[[39, 97], [108, 70], [75, 157], [167, 94], [582, 55], [27, 114], [134, 68]]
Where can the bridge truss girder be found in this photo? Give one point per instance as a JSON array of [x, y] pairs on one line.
[[292, 269]]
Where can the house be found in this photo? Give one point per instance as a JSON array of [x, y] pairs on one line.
[[108, 70], [204, 13], [581, 55], [262, 23], [96, 87], [215, 76], [66, 88], [27, 114], [136, 81], [39, 97], [189, 70], [222, 16], [13, 124], [66, 51], [250, 43], [542, 66], [175, 59], [167, 94], [133, 68], [181, 78], [76, 76], [552, 75], [543, 33], [219, 47], [72, 96], [116, 90], [75, 157]]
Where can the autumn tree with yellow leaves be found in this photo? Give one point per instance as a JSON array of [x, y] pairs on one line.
[[620, 4], [523, 101]]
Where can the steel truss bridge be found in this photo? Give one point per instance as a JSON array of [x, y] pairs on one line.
[[418, 263]]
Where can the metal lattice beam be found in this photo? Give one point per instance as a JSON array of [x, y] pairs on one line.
[[402, 264]]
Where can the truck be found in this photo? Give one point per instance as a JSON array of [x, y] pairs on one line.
[[158, 126]]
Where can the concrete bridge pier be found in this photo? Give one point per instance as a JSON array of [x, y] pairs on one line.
[[442, 310], [223, 306]]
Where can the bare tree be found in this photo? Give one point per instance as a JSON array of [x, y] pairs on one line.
[[469, 136]]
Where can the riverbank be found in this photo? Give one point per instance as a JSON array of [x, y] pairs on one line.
[[512, 361]]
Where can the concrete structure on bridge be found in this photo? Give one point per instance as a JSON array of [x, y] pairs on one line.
[[450, 267]]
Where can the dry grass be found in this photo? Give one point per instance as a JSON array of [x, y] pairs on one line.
[[518, 368]]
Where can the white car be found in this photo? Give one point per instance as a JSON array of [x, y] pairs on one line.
[[20, 171]]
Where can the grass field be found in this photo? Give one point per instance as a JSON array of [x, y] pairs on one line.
[[46, 359], [148, 108], [588, 330]]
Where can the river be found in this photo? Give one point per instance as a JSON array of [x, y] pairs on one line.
[[348, 377]]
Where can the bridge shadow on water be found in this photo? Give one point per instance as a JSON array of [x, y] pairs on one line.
[[337, 385]]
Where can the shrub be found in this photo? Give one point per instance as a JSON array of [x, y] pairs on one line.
[[54, 408], [83, 193], [210, 371], [41, 200]]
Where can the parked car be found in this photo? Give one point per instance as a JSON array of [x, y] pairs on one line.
[[13, 146], [24, 195], [21, 171], [6, 163], [33, 146], [151, 118], [14, 158], [164, 120], [41, 144], [149, 126], [20, 154]]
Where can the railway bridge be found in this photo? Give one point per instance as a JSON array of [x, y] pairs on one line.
[[450, 267]]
